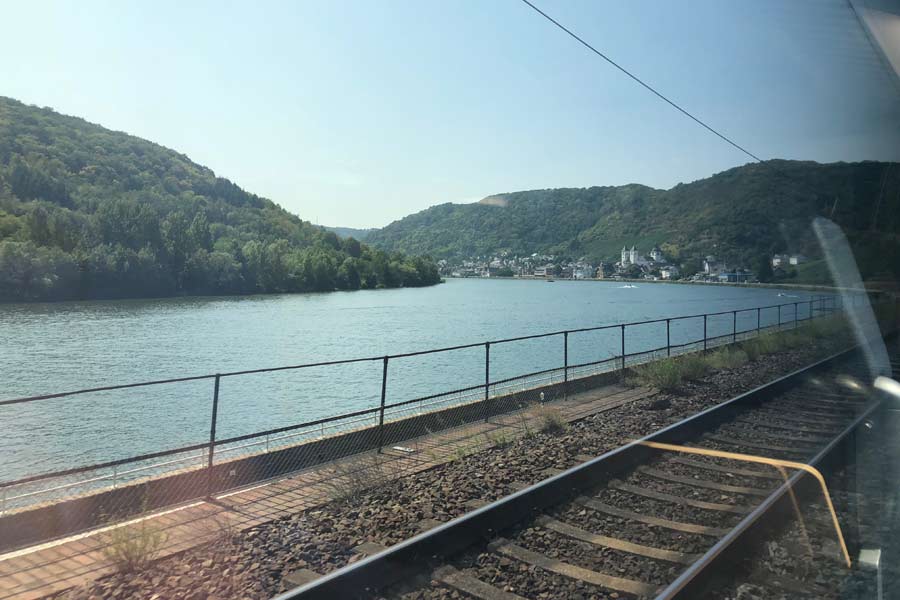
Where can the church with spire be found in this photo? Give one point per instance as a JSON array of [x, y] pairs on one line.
[[633, 257]]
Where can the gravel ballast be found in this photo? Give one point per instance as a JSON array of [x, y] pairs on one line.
[[252, 564]]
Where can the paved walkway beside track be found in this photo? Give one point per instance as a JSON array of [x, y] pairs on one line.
[[48, 568]]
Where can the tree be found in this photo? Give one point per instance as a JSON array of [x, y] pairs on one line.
[[38, 222], [691, 266], [91, 213], [177, 242], [764, 269], [352, 247], [199, 232], [348, 274]]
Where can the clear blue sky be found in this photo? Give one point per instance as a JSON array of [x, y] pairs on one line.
[[358, 113]]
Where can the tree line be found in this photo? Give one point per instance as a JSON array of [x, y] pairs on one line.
[[90, 213], [127, 250]]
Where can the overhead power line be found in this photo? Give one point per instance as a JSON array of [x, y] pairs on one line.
[[644, 84]]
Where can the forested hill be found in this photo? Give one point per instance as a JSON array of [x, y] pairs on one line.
[[741, 215], [345, 232], [86, 212]]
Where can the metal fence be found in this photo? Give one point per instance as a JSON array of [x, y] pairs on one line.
[[294, 445]]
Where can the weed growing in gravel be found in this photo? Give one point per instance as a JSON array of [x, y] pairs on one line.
[[762, 345], [693, 366], [797, 339], [669, 374], [551, 420], [527, 432], [222, 529], [351, 480], [461, 452], [499, 439], [663, 375], [727, 358], [826, 327], [132, 547], [752, 348]]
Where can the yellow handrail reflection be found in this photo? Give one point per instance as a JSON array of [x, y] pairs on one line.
[[773, 462]]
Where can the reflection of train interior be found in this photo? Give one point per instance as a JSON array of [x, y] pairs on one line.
[[798, 481], [716, 420], [787, 491]]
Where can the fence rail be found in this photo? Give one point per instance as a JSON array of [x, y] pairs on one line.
[[204, 454]]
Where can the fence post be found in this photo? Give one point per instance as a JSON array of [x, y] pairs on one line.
[[810, 310], [733, 326], [779, 317], [704, 332], [487, 376], [212, 437], [668, 338], [384, 369], [758, 310], [622, 328], [565, 364], [795, 316]]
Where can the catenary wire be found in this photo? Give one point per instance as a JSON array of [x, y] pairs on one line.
[[642, 82]]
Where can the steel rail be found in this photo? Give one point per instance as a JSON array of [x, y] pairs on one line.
[[407, 558], [694, 578]]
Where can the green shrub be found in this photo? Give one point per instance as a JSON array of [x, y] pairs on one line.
[[806, 334], [752, 348], [827, 327], [693, 366], [795, 339], [663, 375], [350, 480], [132, 547], [762, 345], [668, 375], [551, 421], [727, 358], [498, 439]]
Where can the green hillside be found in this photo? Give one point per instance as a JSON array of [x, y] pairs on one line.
[[345, 232], [740, 215], [86, 212]]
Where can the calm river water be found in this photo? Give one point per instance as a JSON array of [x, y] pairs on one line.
[[47, 348]]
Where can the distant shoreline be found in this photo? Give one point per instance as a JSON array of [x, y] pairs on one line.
[[795, 286]]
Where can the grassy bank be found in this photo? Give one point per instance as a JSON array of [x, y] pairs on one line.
[[670, 374]]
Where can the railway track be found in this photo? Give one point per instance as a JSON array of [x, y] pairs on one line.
[[661, 517]]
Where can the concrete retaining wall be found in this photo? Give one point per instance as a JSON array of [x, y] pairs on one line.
[[70, 516]]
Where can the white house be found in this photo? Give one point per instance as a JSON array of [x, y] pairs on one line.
[[583, 271], [797, 259], [669, 272]]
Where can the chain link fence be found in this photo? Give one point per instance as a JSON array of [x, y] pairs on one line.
[[480, 382]]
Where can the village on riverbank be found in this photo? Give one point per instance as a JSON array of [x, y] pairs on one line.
[[655, 266]]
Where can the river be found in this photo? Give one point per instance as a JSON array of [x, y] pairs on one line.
[[48, 348]]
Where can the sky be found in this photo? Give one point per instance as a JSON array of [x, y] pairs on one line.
[[357, 113]]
